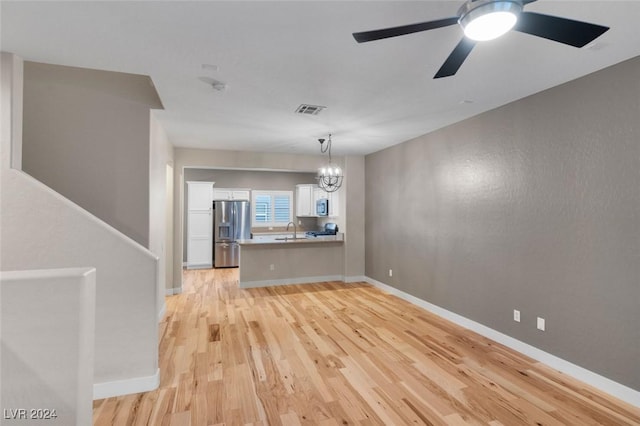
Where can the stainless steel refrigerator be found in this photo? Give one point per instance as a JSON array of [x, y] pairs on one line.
[[232, 222]]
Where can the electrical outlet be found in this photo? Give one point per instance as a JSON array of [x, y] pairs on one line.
[[516, 315], [299, 222], [272, 267], [541, 324], [390, 272]]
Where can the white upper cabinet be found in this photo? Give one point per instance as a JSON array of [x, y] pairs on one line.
[[319, 194], [306, 197], [199, 195], [241, 194], [231, 194], [305, 203], [334, 204]]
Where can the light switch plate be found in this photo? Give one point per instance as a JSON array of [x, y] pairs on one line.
[[541, 324], [516, 315]]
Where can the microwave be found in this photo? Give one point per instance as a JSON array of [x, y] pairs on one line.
[[322, 207]]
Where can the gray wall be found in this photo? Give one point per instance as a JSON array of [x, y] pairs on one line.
[[251, 179], [532, 206], [353, 191], [86, 135], [298, 263]]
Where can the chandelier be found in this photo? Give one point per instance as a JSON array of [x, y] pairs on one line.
[[330, 176]]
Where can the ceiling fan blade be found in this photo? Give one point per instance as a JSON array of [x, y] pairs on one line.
[[402, 30], [562, 30], [456, 58]]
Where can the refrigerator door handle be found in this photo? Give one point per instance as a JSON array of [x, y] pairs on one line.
[[236, 221]]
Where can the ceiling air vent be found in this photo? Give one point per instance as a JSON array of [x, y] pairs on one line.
[[309, 109]]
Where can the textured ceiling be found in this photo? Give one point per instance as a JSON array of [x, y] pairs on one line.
[[274, 56]]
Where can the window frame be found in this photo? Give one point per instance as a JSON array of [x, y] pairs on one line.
[[272, 194]]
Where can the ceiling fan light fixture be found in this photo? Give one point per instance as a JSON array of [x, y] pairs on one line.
[[484, 20]]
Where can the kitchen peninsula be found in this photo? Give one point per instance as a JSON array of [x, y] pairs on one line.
[[277, 259]]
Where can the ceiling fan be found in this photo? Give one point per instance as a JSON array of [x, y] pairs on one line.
[[484, 20]]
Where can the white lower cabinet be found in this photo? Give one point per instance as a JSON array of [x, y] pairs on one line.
[[200, 253]]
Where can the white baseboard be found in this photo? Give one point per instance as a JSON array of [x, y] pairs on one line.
[[609, 386], [288, 281], [126, 387], [172, 291], [199, 266], [355, 279], [163, 311]]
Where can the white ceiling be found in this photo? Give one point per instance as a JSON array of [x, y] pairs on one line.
[[275, 56]]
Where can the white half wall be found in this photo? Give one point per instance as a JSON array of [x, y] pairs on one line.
[[52, 309]]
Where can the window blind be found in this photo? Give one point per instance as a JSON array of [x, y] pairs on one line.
[[272, 208]]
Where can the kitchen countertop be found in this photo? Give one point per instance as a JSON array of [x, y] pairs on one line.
[[300, 239]]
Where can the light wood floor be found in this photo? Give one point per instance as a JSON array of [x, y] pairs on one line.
[[337, 354]]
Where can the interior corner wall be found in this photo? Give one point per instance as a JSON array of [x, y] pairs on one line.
[[532, 206], [86, 136], [353, 193], [11, 101], [160, 204]]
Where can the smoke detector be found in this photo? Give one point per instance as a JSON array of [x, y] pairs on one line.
[[218, 85]]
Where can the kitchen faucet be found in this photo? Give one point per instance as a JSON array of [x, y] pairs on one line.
[[295, 229]]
